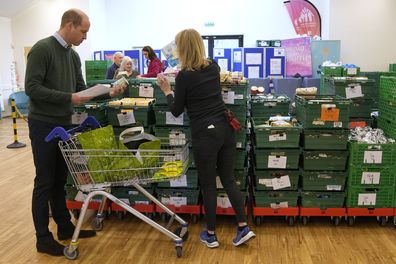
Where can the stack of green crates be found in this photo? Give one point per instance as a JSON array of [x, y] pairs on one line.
[[96, 69], [97, 109], [361, 91], [324, 158], [387, 106], [371, 180], [326, 73], [265, 106], [276, 154]]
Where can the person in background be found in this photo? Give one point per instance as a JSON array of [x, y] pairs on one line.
[[126, 69], [117, 58], [53, 78], [154, 64], [197, 88]]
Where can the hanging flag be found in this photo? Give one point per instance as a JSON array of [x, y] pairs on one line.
[[305, 17]]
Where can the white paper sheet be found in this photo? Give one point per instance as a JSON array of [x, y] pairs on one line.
[[237, 56], [218, 52], [253, 58], [223, 63], [94, 91], [275, 66], [253, 72]]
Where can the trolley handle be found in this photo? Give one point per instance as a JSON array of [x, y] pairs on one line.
[[60, 132]]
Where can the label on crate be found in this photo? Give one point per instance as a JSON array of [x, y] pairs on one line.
[[369, 177], [229, 97], [266, 182], [238, 96], [78, 118], [142, 202], [172, 120], [146, 91], [270, 104], [278, 162], [126, 117], [125, 200], [329, 113], [277, 137], [177, 138], [372, 157], [367, 198], [280, 183], [351, 71], [180, 182], [337, 124], [239, 144], [353, 91], [178, 201], [279, 205], [333, 187], [223, 202]]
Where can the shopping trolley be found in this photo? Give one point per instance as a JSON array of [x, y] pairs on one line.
[[163, 164]]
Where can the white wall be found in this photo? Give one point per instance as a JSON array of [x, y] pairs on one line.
[[367, 32], [7, 57]]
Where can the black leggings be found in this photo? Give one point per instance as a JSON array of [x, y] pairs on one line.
[[214, 147]]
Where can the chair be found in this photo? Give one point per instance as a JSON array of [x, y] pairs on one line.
[[21, 101]]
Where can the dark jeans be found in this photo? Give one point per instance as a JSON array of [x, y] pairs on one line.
[[216, 148], [51, 173]]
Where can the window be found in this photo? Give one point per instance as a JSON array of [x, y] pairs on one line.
[[218, 41]]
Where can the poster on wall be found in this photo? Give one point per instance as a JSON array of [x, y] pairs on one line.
[[298, 56]]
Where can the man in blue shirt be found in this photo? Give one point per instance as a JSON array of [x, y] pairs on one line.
[[117, 58]]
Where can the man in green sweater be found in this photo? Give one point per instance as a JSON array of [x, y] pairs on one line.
[[53, 78]]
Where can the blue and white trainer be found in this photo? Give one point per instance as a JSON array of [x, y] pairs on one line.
[[209, 240], [243, 236]]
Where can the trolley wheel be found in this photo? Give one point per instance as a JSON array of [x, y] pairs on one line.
[[178, 251], [351, 220], [194, 218], [177, 232], [290, 220], [336, 220], [305, 220], [257, 220], [383, 220], [120, 215], [97, 224], [73, 255]]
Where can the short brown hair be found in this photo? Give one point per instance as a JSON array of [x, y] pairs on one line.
[[73, 16]]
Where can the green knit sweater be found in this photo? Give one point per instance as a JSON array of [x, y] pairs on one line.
[[53, 73]]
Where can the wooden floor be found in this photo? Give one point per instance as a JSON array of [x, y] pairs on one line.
[[132, 241]]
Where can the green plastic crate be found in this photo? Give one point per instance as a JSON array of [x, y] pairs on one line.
[[120, 115], [178, 136], [331, 70], [95, 109], [178, 197], [351, 71], [374, 155], [71, 192], [361, 107], [325, 160], [240, 159], [323, 180], [392, 67], [329, 139], [322, 111], [224, 202], [189, 180], [276, 137], [276, 199], [387, 109], [277, 158], [132, 195], [388, 126], [359, 197], [234, 93], [144, 88], [164, 117], [322, 200], [241, 137], [387, 89], [264, 106], [263, 179], [370, 177], [240, 178]]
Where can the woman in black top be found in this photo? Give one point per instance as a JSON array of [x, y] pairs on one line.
[[213, 140]]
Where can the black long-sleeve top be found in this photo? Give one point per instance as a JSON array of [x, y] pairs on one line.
[[199, 91]]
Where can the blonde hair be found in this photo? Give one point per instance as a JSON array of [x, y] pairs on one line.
[[124, 61], [191, 50]]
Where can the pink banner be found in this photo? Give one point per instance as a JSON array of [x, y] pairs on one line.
[[298, 56], [305, 17]]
